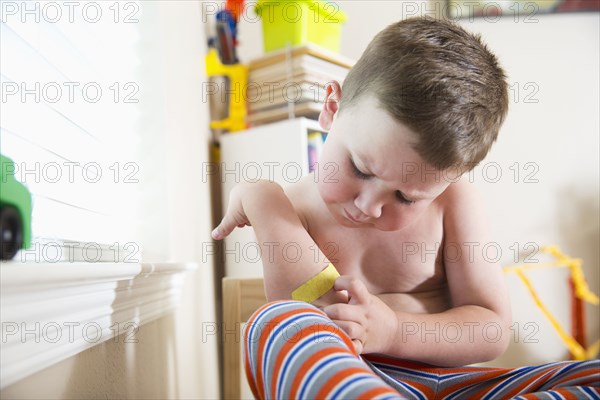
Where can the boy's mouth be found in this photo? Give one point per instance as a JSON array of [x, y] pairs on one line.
[[351, 218]]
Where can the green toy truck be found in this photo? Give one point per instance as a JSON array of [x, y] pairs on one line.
[[15, 212]]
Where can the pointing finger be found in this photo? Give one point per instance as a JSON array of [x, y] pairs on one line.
[[357, 290]]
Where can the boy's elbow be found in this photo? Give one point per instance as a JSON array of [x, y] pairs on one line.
[[274, 293], [498, 343], [272, 297], [498, 348], [506, 324]]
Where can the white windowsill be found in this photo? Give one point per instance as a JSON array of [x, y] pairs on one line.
[[50, 312]]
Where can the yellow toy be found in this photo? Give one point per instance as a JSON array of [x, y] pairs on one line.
[[238, 78], [582, 291]]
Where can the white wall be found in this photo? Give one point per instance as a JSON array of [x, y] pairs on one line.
[[558, 57], [555, 60], [175, 356], [186, 211]]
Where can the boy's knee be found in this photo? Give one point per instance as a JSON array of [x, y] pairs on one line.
[[275, 309], [272, 315]]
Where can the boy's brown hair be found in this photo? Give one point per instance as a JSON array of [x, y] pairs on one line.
[[440, 81]]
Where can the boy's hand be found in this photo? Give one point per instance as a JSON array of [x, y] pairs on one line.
[[369, 322], [234, 215]]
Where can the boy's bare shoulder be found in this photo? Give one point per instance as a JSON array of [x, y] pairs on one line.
[[303, 196], [460, 198]]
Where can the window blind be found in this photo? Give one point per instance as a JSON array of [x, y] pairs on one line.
[[69, 120]]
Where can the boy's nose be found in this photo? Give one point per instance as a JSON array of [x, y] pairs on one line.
[[369, 204]]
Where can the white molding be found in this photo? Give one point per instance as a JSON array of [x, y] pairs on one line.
[[50, 312]]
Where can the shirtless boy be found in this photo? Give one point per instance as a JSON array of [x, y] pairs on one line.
[[386, 207]]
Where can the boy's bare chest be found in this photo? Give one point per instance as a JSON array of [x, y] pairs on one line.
[[399, 267]]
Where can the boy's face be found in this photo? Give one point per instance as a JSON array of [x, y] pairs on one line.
[[368, 173]]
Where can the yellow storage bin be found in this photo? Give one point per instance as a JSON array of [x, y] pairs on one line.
[[299, 22]]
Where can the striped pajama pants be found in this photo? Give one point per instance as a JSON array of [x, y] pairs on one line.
[[292, 350]]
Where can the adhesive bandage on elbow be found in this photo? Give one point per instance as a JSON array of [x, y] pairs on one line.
[[316, 286]]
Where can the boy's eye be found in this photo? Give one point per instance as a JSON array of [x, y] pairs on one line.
[[358, 172], [402, 199]]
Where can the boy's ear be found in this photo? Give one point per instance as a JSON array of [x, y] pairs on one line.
[[333, 95]]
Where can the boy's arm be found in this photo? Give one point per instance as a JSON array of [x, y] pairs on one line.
[[290, 257], [474, 329]]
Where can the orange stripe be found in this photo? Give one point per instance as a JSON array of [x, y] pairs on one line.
[[249, 376], [290, 344], [263, 340], [309, 363], [311, 329], [371, 393], [562, 391], [428, 391], [337, 378], [529, 381], [412, 365], [261, 309], [579, 375], [398, 362], [422, 367], [566, 394], [248, 368], [532, 379], [496, 372]]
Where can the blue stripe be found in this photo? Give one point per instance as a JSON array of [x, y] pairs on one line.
[[275, 334], [517, 374], [316, 370], [459, 393], [555, 396], [291, 356], [449, 376], [589, 391], [253, 326], [353, 380], [411, 389], [408, 370], [559, 374]]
